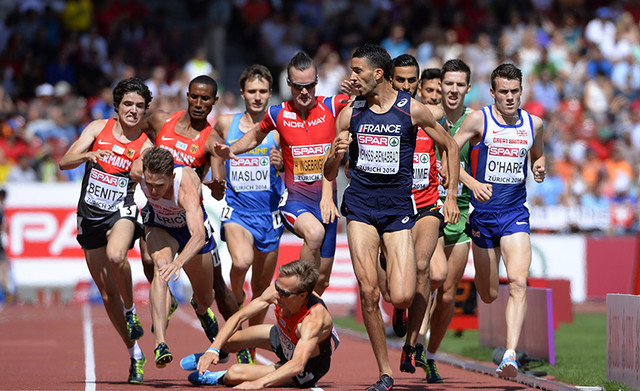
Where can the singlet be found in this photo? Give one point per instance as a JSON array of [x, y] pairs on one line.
[[381, 153], [304, 143], [253, 182], [425, 171], [287, 328], [500, 158], [106, 186], [186, 151], [464, 194]]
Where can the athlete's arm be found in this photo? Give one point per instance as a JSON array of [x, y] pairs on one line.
[[135, 172], [538, 161], [339, 146], [471, 131], [275, 155], [79, 153], [218, 182], [232, 325], [421, 116], [311, 329], [152, 123], [189, 197]]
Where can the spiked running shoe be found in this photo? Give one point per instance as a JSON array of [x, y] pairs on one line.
[[399, 322], [209, 378], [420, 359], [163, 355], [136, 371], [172, 309], [247, 356], [134, 328], [508, 367], [407, 360], [208, 322], [384, 384], [431, 372]]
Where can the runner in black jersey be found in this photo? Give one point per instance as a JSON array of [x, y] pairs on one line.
[[107, 214]]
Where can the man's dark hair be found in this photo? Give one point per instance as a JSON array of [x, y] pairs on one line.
[[376, 56], [506, 71], [132, 84], [157, 160], [301, 61], [457, 65], [255, 71], [206, 80], [405, 60], [430, 74], [307, 274]]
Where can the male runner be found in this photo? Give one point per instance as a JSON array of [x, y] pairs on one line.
[[306, 127], [502, 139], [378, 203], [107, 213]]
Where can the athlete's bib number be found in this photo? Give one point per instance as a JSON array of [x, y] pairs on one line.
[[505, 164], [105, 191], [226, 213], [421, 170], [307, 162], [250, 174], [216, 257], [378, 154], [277, 219], [129, 211]]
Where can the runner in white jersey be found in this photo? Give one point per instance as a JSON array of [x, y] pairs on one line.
[[502, 139]]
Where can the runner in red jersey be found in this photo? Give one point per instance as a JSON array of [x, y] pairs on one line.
[[306, 125], [189, 138], [107, 213]]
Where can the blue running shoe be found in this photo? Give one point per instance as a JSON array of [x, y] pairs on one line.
[[209, 378], [190, 363], [508, 367]]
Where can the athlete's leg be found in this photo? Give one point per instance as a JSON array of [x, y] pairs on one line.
[[102, 274], [147, 261], [364, 243], [485, 262], [438, 258], [312, 232], [252, 336], [200, 272], [264, 268], [516, 252], [240, 244], [118, 241], [401, 267]]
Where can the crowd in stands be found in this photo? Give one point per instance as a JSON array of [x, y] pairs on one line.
[[581, 62]]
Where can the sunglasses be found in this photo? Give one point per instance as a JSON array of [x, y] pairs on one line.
[[300, 87], [284, 293]]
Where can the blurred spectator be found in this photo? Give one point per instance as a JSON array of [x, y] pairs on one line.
[[219, 16], [598, 94], [545, 92], [76, 15], [396, 43], [198, 65], [601, 30], [228, 104], [625, 77], [331, 72], [22, 172], [101, 107]]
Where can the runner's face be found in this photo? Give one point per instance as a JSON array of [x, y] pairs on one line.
[[507, 96], [430, 92], [290, 298], [200, 101], [157, 184], [405, 79], [363, 75], [303, 98], [454, 89], [131, 109], [256, 94]]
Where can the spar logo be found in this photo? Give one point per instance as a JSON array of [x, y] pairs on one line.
[[365, 139], [421, 158], [309, 150], [245, 162], [394, 141], [108, 179], [264, 161], [505, 151]]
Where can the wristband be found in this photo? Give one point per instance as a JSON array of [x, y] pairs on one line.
[[214, 350]]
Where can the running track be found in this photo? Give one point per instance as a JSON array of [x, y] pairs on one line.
[[74, 347]]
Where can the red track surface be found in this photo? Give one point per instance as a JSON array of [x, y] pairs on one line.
[[43, 348]]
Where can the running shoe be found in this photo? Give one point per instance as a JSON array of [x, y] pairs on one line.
[[190, 363], [421, 360], [133, 326], [247, 356], [384, 384], [209, 378], [136, 371], [172, 309], [163, 355], [508, 367], [208, 322], [431, 372], [407, 360], [400, 322]]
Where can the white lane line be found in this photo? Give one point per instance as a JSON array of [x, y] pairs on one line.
[[89, 358]]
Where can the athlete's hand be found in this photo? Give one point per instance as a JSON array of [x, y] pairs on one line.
[[217, 188], [275, 156], [348, 87], [341, 144], [94, 156], [450, 210], [539, 172], [328, 210], [169, 269], [224, 151], [482, 191], [206, 360]]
